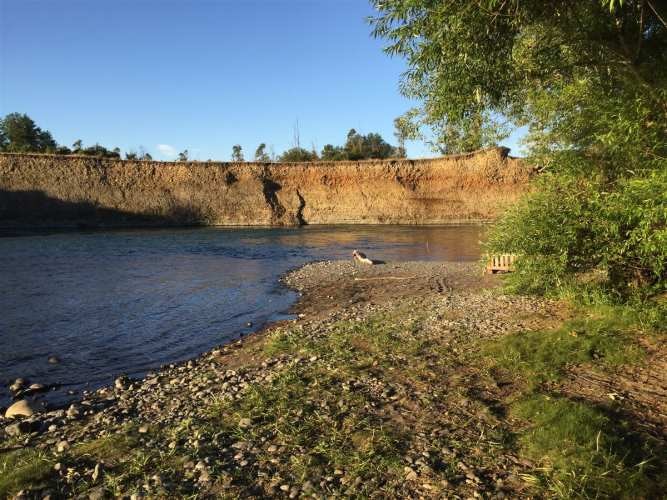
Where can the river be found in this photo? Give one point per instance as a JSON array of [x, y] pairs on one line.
[[114, 302]]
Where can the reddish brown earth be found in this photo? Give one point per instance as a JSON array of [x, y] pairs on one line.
[[43, 190]]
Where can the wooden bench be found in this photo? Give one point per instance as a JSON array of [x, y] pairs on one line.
[[500, 263]]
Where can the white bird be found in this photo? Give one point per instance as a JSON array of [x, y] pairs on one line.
[[361, 257]]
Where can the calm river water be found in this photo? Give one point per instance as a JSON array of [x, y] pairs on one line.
[[115, 302]]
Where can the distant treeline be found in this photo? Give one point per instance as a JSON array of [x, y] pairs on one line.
[[20, 134]]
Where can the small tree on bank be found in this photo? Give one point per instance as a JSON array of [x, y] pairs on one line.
[[261, 155], [237, 153], [297, 154]]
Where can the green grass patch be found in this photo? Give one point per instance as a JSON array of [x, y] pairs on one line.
[[110, 449], [323, 426], [381, 341], [584, 453], [126, 460], [540, 356], [23, 469]]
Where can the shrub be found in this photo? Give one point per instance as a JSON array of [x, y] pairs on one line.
[[573, 228]]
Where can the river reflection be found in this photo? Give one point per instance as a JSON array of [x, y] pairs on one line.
[[119, 302]]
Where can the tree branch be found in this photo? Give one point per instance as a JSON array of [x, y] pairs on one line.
[[656, 12]]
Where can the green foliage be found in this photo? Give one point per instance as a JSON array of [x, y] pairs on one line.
[[99, 151], [297, 154], [357, 147], [20, 134], [237, 153], [590, 81], [534, 62], [364, 147], [23, 469], [587, 454], [573, 230], [260, 153], [541, 356], [183, 155], [333, 153]]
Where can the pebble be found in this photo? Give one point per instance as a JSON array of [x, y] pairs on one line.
[[62, 446], [73, 411], [410, 474], [21, 408], [97, 472], [18, 384]]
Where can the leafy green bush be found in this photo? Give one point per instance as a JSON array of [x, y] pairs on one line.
[[576, 231]]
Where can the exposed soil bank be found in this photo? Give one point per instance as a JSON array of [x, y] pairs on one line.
[[381, 388], [48, 190]]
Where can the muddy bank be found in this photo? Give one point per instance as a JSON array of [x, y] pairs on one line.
[[378, 389], [48, 190]]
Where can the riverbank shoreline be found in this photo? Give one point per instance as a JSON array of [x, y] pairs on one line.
[[376, 389]]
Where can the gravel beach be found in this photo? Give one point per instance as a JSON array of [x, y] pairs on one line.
[[375, 389]]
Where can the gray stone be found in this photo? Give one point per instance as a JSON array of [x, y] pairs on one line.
[[18, 384], [73, 411]]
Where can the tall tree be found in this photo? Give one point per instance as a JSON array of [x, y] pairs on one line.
[[183, 155], [260, 153], [237, 153], [20, 134], [333, 153], [589, 79]]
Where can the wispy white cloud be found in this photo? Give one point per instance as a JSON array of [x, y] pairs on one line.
[[166, 150]]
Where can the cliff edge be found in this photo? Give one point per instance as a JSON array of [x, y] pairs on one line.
[[51, 190]]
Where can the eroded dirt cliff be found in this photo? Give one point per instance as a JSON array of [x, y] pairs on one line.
[[68, 190]]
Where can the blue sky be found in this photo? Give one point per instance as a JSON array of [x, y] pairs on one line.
[[200, 75]]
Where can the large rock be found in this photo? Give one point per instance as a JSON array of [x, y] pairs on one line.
[[21, 408]]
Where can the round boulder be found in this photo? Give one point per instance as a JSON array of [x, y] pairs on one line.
[[21, 408]]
